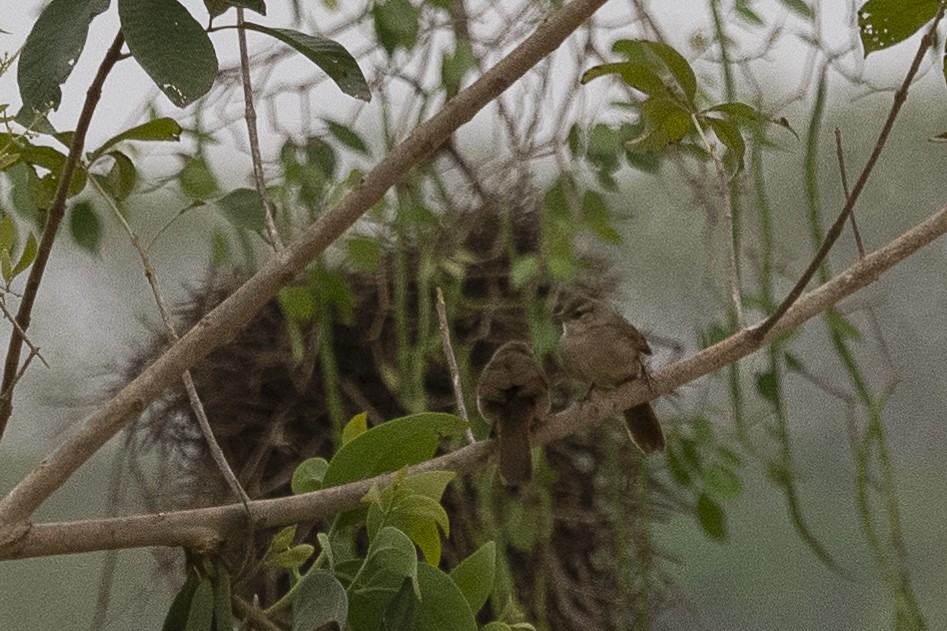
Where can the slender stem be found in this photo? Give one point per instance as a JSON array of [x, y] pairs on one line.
[[452, 363], [250, 116], [840, 153], [55, 215]]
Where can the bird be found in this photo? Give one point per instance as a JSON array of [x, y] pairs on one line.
[[513, 394], [601, 348]]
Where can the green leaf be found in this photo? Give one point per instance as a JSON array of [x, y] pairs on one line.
[[308, 475], [52, 49], [200, 617], [86, 227], [6, 265], [799, 7], [722, 482], [7, 232], [841, 325], [401, 611], [177, 616], [40, 190], [292, 558], [475, 575], [884, 23], [396, 24], [597, 217], [365, 253], [283, 539], [26, 258], [745, 11], [347, 136], [729, 135], [418, 516], [390, 446], [456, 65], [711, 517], [329, 55], [638, 76], [157, 130], [223, 612], [171, 46], [320, 599], [357, 426], [574, 140], [297, 302], [197, 180], [666, 122], [767, 384], [243, 207], [393, 551], [523, 270], [678, 66], [442, 604], [121, 178]]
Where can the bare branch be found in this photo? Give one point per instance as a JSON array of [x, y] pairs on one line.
[[452, 362], [208, 527], [220, 325]]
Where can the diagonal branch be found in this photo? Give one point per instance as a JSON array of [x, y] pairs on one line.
[[206, 528], [836, 230], [54, 217], [220, 325]]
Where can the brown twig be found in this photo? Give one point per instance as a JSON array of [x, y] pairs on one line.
[[209, 526], [836, 230], [54, 217], [452, 363], [840, 152], [250, 116], [233, 314]]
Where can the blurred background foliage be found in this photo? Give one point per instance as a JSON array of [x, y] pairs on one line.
[[802, 475]]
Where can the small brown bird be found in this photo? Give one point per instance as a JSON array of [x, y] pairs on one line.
[[601, 348], [513, 393]]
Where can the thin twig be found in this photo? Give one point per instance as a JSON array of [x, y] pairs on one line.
[[723, 182], [211, 526], [250, 115], [254, 615], [34, 349], [840, 152], [452, 363], [196, 405], [233, 314], [833, 234], [54, 217]]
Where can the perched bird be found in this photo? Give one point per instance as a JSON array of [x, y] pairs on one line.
[[601, 348], [514, 395]]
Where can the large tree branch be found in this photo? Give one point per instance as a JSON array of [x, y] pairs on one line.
[[220, 325], [205, 528]]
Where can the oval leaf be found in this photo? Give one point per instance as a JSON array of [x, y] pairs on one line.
[[320, 599], [171, 46], [308, 475], [442, 605], [329, 55], [159, 129], [711, 517], [243, 207], [86, 227], [474, 575], [390, 446], [52, 49], [884, 23]]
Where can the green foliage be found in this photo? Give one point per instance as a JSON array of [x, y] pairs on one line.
[[884, 23], [203, 602], [670, 111], [329, 55], [390, 446], [701, 464], [51, 51], [86, 227], [396, 24], [171, 46]]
